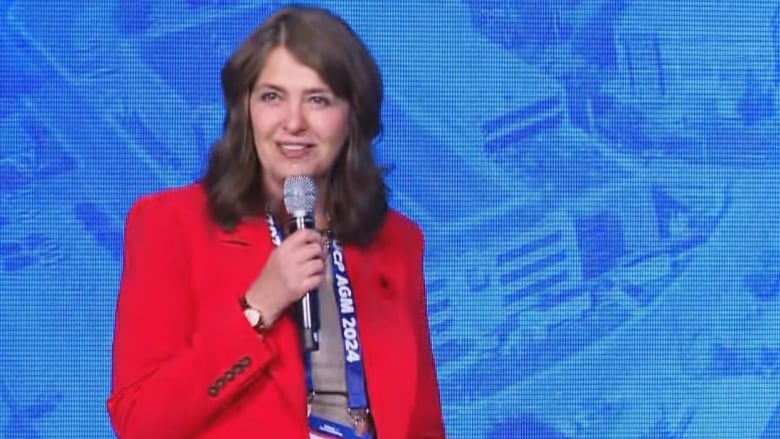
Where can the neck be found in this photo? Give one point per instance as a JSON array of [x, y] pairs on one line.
[[321, 220]]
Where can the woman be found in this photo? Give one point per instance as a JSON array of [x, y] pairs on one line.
[[205, 344]]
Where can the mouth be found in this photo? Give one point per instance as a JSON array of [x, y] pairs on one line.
[[294, 150]]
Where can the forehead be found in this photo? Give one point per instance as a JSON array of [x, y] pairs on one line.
[[283, 70]]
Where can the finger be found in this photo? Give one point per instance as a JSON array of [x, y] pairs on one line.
[[298, 240], [308, 252], [313, 236], [304, 236], [311, 283], [315, 267]]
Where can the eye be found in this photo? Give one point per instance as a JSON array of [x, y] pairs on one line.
[[269, 96], [322, 101]]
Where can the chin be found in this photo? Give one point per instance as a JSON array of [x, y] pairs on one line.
[[301, 170]]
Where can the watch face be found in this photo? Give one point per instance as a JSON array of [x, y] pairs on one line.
[[252, 315]]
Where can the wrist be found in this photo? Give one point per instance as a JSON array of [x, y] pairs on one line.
[[255, 315]]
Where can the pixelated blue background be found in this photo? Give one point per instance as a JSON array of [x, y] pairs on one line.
[[597, 179]]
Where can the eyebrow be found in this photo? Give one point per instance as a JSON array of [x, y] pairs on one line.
[[308, 91]]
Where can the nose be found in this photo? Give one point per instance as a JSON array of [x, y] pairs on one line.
[[295, 120]]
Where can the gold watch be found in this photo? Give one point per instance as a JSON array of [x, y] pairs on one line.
[[254, 316]]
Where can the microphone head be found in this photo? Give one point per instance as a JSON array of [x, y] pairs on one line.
[[300, 194]]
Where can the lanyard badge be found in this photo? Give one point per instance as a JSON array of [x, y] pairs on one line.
[[354, 370]]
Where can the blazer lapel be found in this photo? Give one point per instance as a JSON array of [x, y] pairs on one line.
[[241, 256], [385, 330]]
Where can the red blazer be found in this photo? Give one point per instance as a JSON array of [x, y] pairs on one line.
[[187, 364]]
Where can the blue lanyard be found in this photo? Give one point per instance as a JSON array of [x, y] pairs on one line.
[[354, 370]]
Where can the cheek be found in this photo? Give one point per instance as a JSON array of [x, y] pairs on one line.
[[262, 123], [338, 128]]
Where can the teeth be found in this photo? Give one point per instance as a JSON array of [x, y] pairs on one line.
[[293, 147]]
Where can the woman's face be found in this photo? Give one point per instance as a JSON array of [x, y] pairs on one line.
[[298, 122]]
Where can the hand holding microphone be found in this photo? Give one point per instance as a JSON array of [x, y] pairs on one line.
[[296, 268], [293, 269]]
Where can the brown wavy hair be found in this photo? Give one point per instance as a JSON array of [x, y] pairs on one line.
[[357, 196]]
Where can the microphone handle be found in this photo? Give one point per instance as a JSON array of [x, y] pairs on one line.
[[309, 333], [308, 307]]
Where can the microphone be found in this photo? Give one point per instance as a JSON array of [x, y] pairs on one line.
[[300, 194]]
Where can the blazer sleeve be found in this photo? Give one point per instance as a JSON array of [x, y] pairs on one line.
[[427, 421], [173, 372]]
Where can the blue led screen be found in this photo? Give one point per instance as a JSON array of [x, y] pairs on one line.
[[598, 182]]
